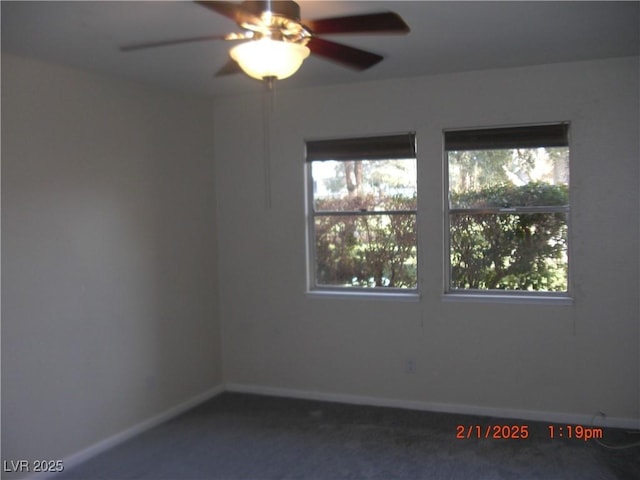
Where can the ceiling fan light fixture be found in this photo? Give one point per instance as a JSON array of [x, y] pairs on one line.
[[267, 58]]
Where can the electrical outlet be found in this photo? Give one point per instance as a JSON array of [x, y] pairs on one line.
[[410, 365]]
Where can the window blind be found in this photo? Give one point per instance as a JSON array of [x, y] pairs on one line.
[[385, 147], [534, 136]]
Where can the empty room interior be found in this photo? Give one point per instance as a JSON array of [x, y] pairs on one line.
[[414, 254]]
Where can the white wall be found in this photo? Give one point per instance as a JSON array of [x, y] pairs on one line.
[[109, 291], [548, 360]]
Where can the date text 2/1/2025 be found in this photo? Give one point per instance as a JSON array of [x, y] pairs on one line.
[[519, 432]]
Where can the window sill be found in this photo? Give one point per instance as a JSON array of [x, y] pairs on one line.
[[412, 296], [506, 299]]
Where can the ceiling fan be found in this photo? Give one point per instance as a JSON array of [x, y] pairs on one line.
[[276, 40]]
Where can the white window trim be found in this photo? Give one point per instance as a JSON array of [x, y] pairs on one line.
[[362, 294], [495, 296]]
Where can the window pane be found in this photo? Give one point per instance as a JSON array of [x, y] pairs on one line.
[[509, 177], [509, 252], [366, 250], [364, 185]]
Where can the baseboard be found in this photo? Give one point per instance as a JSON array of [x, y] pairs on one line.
[[531, 415], [110, 442]]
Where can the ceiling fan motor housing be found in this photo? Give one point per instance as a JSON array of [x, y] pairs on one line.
[[276, 20], [284, 8]]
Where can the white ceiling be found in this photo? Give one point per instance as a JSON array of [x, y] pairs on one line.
[[445, 37]]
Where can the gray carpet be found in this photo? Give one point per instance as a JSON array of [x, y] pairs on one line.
[[251, 437]]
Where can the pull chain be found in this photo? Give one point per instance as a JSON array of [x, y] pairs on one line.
[[268, 98]]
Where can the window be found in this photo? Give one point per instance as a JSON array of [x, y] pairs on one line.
[[362, 213], [508, 209]]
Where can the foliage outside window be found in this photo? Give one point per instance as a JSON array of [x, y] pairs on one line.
[[508, 207], [362, 213]]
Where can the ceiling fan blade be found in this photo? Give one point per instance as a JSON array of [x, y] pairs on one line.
[[385, 22], [347, 56], [235, 11], [229, 68], [164, 43]]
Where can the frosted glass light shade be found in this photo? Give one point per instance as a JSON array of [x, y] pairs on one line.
[[269, 58]]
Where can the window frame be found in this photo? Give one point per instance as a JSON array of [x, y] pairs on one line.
[[343, 291], [490, 295]]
